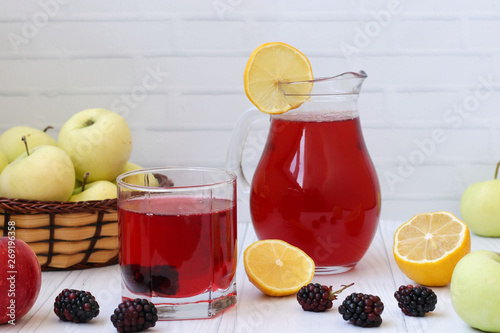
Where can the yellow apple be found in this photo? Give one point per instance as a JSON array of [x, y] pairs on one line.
[[12, 145], [46, 173], [3, 161], [98, 141], [78, 183], [129, 166], [98, 190], [141, 179]]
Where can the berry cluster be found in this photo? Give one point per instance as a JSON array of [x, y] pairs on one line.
[[134, 316], [318, 298], [415, 301], [362, 310], [78, 306]]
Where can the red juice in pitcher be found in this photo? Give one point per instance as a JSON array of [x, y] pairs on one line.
[[184, 247], [316, 188]]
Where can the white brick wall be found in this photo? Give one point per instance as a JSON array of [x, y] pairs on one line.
[[425, 60]]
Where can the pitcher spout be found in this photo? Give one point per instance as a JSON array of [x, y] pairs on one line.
[[350, 82], [345, 84]]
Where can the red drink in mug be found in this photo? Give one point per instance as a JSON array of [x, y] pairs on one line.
[[181, 249], [178, 240]]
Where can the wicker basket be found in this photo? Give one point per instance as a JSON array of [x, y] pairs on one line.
[[65, 235]]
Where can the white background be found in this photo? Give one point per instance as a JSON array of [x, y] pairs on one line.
[[174, 69]]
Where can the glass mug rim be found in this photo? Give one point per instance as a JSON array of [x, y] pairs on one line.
[[230, 179]]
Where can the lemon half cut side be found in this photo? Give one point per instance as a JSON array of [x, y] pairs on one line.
[[277, 268], [429, 245]]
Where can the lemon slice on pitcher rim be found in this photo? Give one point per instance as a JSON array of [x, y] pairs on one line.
[[277, 268], [271, 64], [429, 245]]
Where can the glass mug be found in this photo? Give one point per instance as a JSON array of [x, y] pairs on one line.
[[315, 186], [177, 240]]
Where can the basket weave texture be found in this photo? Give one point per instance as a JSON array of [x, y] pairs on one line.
[[65, 235]]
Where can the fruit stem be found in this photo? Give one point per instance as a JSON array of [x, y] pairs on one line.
[[47, 128], [496, 170], [84, 180], [26, 145], [342, 289]]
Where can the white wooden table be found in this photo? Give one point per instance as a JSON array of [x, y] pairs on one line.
[[377, 274]]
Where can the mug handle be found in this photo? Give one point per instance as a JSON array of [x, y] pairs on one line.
[[239, 137]]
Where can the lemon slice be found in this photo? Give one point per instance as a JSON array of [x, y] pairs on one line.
[[271, 64], [429, 245], [277, 268]]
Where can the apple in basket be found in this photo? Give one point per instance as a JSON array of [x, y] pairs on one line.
[[138, 179], [98, 141], [3, 161], [12, 146], [20, 278], [42, 173], [98, 190]]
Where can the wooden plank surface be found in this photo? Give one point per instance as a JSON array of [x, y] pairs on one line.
[[377, 273]]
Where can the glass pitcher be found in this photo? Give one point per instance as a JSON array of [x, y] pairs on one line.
[[315, 186]]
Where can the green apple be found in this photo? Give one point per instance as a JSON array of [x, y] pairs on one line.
[[474, 289], [3, 161], [98, 141], [480, 207], [45, 173], [12, 145], [98, 190]]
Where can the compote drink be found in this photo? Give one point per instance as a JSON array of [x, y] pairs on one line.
[[316, 188], [184, 247]]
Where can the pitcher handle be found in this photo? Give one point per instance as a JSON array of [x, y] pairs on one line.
[[238, 139]]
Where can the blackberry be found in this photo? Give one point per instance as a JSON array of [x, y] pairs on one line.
[[161, 279], [318, 298], [134, 316], [362, 310], [78, 306], [415, 301]]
